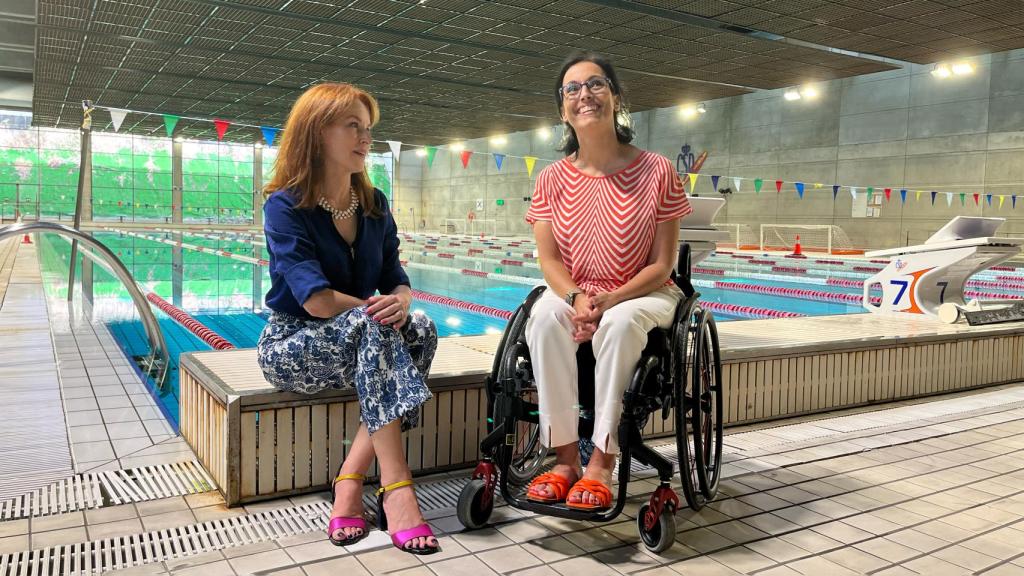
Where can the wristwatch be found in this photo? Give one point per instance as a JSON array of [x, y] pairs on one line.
[[570, 297]]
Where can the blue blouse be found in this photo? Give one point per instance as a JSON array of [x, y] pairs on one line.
[[308, 254]]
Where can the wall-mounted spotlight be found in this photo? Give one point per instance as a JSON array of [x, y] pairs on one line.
[[498, 141], [809, 92], [941, 71], [690, 111], [458, 146], [544, 132], [701, 109], [963, 68], [421, 152], [791, 95]]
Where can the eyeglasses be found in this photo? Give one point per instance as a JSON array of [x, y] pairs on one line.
[[596, 85]]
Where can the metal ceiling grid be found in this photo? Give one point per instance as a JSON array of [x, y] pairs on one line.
[[481, 60]]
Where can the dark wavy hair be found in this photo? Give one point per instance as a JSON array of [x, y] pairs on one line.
[[623, 123]]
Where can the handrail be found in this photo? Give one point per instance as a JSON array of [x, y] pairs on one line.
[[158, 361]]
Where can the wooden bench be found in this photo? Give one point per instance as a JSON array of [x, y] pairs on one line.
[[258, 443]]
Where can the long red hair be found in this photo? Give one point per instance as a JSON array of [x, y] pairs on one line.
[[299, 157]]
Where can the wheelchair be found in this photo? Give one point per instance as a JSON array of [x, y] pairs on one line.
[[679, 375]]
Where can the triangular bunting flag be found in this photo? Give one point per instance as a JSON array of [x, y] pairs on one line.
[[757, 185], [117, 117], [714, 182], [465, 158], [853, 192], [693, 181], [778, 186], [222, 127], [888, 194], [170, 121], [963, 195], [835, 191], [800, 189], [871, 193], [949, 199], [396, 148], [1013, 201], [1001, 200], [736, 183], [818, 184], [917, 196], [498, 159], [976, 198], [269, 134], [988, 198], [903, 195], [431, 150], [530, 161], [934, 194]]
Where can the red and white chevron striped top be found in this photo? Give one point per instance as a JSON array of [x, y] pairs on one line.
[[604, 225]]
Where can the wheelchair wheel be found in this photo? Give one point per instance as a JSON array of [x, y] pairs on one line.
[[687, 416], [707, 410], [470, 510], [662, 536], [523, 451]]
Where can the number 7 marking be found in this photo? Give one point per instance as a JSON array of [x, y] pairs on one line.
[[942, 294], [903, 289]]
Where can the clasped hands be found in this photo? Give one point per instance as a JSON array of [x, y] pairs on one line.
[[389, 309], [589, 307]]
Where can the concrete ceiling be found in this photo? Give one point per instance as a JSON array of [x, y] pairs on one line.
[[446, 69]]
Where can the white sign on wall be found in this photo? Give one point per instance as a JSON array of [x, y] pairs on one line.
[[479, 204]]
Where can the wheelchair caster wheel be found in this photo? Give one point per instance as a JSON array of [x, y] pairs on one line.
[[662, 535], [470, 510]]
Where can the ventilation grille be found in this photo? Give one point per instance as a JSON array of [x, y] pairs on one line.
[[93, 490], [157, 546]]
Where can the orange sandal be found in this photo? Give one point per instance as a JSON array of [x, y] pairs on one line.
[[559, 485], [595, 487]]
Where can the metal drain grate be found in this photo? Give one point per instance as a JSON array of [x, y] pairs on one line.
[[157, 546], [93, 490]]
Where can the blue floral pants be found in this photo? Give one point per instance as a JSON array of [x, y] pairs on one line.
[[387, 367]]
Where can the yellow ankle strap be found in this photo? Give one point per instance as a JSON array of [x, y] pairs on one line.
[[394, 486], [341, 477]]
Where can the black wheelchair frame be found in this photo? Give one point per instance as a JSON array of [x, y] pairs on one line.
[[686, 353]]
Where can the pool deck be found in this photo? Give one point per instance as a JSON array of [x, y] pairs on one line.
[[927, 486]]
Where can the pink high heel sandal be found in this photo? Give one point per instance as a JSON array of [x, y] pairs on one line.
[[400, 539], [339, 522]]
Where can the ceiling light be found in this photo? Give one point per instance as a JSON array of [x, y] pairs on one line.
[[963, 68], [544, 133], [421, 152], [498, 141], [809, 92], [791, 95], [941, 71], [701, 109], [179, 139], [688, 111], [458, 146]]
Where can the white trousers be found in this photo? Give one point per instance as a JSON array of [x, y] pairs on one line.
[[620, 338]]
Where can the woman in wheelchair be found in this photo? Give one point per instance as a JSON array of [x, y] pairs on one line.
[[606, 223]]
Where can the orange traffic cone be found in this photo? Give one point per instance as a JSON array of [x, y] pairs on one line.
[[797, 250], [26, 239]]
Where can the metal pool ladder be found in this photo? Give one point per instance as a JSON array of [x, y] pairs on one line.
[[157, 362]]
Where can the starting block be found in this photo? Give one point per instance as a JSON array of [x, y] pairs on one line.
[[697, 230], [920, 279]]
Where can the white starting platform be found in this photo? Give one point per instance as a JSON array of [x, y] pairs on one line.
[[696, 229], [921, 279]]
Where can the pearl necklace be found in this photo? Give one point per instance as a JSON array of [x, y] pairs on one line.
[[342, 214]]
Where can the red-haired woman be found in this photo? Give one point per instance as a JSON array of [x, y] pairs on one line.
[[333, 244]]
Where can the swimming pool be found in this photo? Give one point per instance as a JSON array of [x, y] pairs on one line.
[[224, 279]]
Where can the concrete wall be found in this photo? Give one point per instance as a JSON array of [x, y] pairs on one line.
[[898, 129]]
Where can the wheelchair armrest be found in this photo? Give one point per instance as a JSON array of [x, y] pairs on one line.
[[681, 275]]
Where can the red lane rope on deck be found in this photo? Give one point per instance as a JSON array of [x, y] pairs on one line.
[[461, 304], [194, 326]]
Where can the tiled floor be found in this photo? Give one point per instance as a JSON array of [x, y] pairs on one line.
[[939, 493]]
